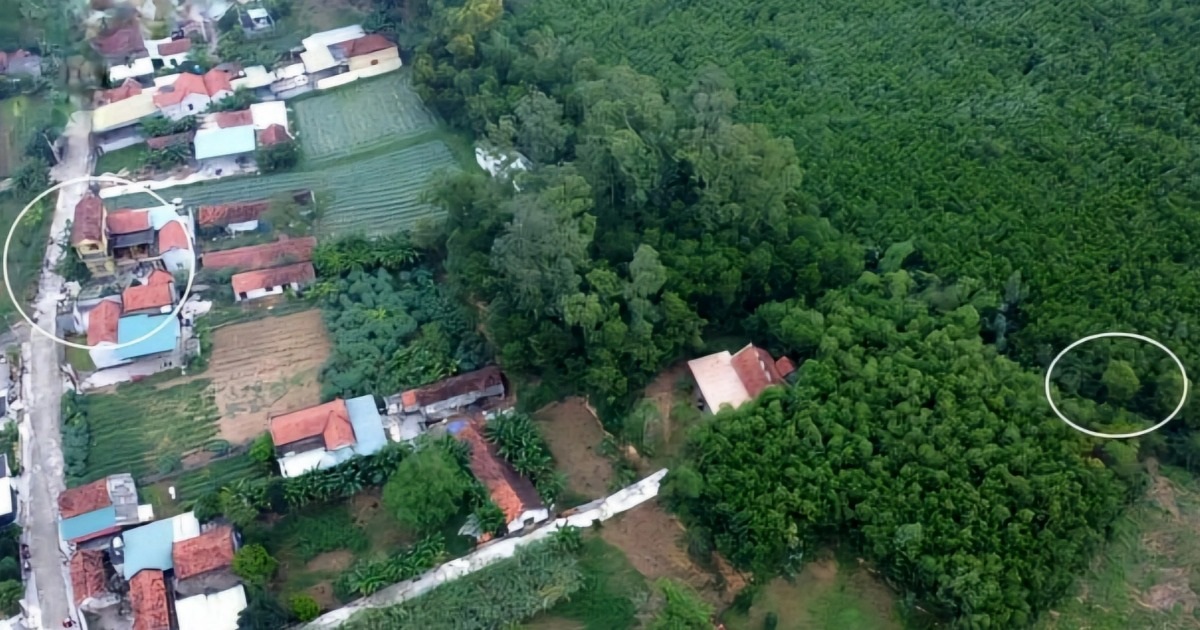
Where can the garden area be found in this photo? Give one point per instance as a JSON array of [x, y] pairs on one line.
[[130, 159], [139, 428]]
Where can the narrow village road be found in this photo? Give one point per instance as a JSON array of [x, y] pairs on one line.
[[44, 388]]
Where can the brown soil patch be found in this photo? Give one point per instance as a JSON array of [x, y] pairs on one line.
[[266, 367], [322, 593], [652, 541], [1162, 490], [661, 391], [1172, 590], [330, 561], [574, 434]]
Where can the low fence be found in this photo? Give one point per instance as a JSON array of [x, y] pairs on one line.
[[583, 516]]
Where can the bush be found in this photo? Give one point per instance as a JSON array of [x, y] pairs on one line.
[[304, 607], [263, 449], [11, 592], [253, 564], [427, 489], [519, 441], [368, 576], [168, 463], [771, 621]]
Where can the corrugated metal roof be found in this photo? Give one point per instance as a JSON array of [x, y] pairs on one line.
[[122, 113], [368, 426], [136, 326], [218, 611], [211, 143], [718, 380], [88, 523], [150, 546]]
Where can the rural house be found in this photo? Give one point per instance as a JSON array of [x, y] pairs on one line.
[[149, 602], [284, 251], [150, 546], [130, 235], [121, 45], [231, 146], [231, 218], [256, 21], [20, 63], [149, 298], [88, 236], [169, 53], [100, 322], [100, 509], [251, 285], [114, 124], [725, 379], [92, 580], [511, 492], [481, 389], [154, 238], [190, 94], [360, 58], [204, 564], [127, 89], [326, 435]]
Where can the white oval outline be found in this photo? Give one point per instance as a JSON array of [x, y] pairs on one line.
[[1117, 436], [17, 221]]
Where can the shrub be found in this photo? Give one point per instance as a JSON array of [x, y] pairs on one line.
[[11, 592], [519, 441], [304, 607], [263, 449], [771, 621], [253, 564], [427, 489]]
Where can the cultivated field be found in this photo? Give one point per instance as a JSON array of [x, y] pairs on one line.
[[136, 425], [375, 195], [265, 367], [385, 110]]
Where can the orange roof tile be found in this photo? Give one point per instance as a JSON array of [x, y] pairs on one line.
[[209, 551], [756, 369], [409, 398], [366, 45], [159, 276], [126, 90], [144, 296], [330, 420], [174, 47], [88, 224], [784, 366], [239, 118], [128, 221], [125, 40], [263, 256], [511, 492], [217, 81], [247, 281], [148, 598], [88, 578], [173, 94], [162, 142], [227, 213], [102, 323], [84, 499], [173, 236], [274, 134]]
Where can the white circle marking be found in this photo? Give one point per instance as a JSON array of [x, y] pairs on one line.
[[1178, 408], [8, 285]]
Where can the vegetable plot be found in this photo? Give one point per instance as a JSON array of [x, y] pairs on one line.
[[384, 110]]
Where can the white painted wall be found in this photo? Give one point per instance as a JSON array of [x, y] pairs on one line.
[[104, 355], [261, 293], [190, 105], [244, 226], [519, 523], [178, 260]]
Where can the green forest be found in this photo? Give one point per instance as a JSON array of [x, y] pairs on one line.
[[920, 203]]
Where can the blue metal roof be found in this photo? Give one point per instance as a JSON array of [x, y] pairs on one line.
[[211, 143], [368, 426], [87, 523], [137, 326], [149, 547]]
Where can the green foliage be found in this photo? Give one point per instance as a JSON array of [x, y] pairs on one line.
[[11, 592], [304, 607], [262, 450], [519, 441], [282, 156], [234, 45], [684, 610], [239, 100], [771, 621], [612, 589], [368, 576], [168, 463], [262, 611], [344, 480], [491, 518], [253, 564], [427, 490], [1121, 381], [76, 437], [317, 530], [508, 591], [169, 157], [922, 446], [157, 127], [242, 500]]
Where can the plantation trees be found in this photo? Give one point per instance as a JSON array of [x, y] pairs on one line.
[[427, 489]]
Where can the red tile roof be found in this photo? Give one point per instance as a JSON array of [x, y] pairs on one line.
[[163, 142], [209, 551], [173, 236], [784, 366], [263, 256], [299, 273], [148, 598], [145, 296], [88, 224], [274, 134], [366, 45], [330, 420], [174, 47], [128, 221], [511, 492], [84, 499], [756, 369], [88, 578], [238, 212], [465, 383], [159, 276], [173, 94], [127, 89], [217, 81], [239, 118], [126, 40], [102, 325]]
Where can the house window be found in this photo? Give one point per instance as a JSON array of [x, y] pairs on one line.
[[179, 265], [374, 62], [191, 107], [242, 295]]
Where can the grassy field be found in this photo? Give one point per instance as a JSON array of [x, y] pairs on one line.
[[138, 424], [130, 158], [27, 251], [613, 592], [386, 108], [196, 483], [1148, 576], [19, 115]]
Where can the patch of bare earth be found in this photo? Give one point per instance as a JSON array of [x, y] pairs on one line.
[[662, 391], [574, 434], [330, 561], [322, 593], [265, 367], [653, 542]]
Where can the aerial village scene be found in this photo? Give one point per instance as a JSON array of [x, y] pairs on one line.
[[228, 458]]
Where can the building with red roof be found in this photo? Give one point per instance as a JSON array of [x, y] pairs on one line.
[[148, 599], [203, 563], [148, 298], [102, 323], [127, 222], [89, 580], [240, 118], [365, 45], [174, 47], [127, 89], [274, 134], [281, 252], [121, 44], [511, 492], [732, 379], [325, 426], [251, 285], [233, 217], [192, 94]]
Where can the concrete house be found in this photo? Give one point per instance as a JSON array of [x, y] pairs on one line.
[[449, 397], [170, 53], [100, 509], [324, 436], [252, 285], [732, 379], [203, 564], [232, 218], [216, 611], [100, 322], [282, 252], [93, 580], [88, 236], [149, 299], [121, 45], [511, 492], [361, 58], [229, 144], [191, 94]]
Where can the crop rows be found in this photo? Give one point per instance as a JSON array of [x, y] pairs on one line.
[[138, 424], [377, 195], [217, 475], [361, 117]]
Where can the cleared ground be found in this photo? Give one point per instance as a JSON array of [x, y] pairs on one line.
[[265, 367], [574, 435]]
